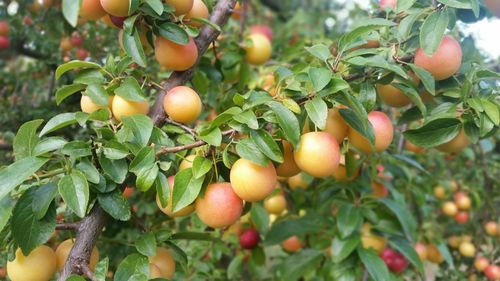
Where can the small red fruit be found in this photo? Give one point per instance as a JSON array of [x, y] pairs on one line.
[[117, 21], [492, 272], [82, 54], [27, 20], [462, 217], [395, 261], [76, 39], [249, 239], [4, 42], [481, 263]]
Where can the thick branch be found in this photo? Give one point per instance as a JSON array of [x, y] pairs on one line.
[[219, 16]]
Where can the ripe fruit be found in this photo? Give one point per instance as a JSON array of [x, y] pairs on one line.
[[199, 10], [4, 42], [292, 244], [260, 49], [480, 263], [182, 104], [421, 250], [491, 228], [288, 168], [382, 129], [118, 8], [249, 239], [220, 206], [467, 249], [389, 4], [444, 62], [340, 173], [88, 106], [62, 253], [91, 9], [39, 265], [462, 201], [262, 29], [392, 96], [181, 6], [462, 217], [454, 241], [370, 240], [164, 261], [4, 28], [128, 191], [449, 208], [76, 39], [82, 54], [236, 11], [439, 192], [174, 56], [317, 154], [275, 204], [154, 271], [379, 190], [122, 107], [118, 22], [297, 181], [65, 44], [27, 20], [168, 209], [335, 125], [492, 272], [455, 145], [252, 182], [433, 254], [187, 162], [395, 261]]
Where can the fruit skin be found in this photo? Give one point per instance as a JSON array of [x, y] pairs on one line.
[[421, 250], [199, 10], [317, 154], [128, 191], [480, 263], [392, 96], [4, 28], [455, 145], [439, 192], [379, 190], [335, 125], [118, 8], [433, 254], [249, 239], [491, 228], [444, 62], [259, 51], [164, 261], [220, 206], [297, 181], [467, 249], [449, 208], [91, 10], [187, 162], [65, 44], [168, 209], [340, 174], [395, 261], [292, 244], [494, 7], [252, 182], [174, 56], [275, 204], [382, 129], [181, 6], [118, 22], [462, 201], [182, 104], [492, 272], [370, 240], [4, 42], [122, 107], [39, 265], [62, 253], [390, 4], [262, 29], [82, 54], [88, 106], [462, 217], [288, 168], [154, 271]]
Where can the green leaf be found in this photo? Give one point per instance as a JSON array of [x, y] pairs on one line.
[[156, 5], [434, 133], [317, 110], [365, 27], [48, 144], [77, 149], [6, 207], [71, 9], [213, 137], [287, 121], [68, 90], [342, 248], [443, 249], [234, 268], [132, 264], [300, 264], [101, 269], [204, 21], [115, 204], [408, 251], [74, 64], [247, 149], [89, 170], [141, 126], [349, 218], [145, 158], [284, 229], [146, 244], [75, 278], [406, 25], [17, 172], [404, 5], [114, 150], [130, 90], [173, 33], [368, 96], [380, 62], [248, 118], [74, 190], [319, 51], [432, 31], [146, 177], [356, 123], [320, 77], [260, 218], [186, 189], [414, 96], [89, 76], [57, 122], [374, 264], [459, 4], [404, 216], [492, 111], [27, 230], [425, 77], [115, 169], [97, 94], [267, 145], [133, 47], [162, 189], [44, 195], [201, 166], [26, 139]]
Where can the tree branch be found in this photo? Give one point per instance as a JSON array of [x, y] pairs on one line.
[[191, 131], [68, 226], [220, 15], [174, 149]]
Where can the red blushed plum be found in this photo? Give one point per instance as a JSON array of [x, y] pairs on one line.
[[219, 206]]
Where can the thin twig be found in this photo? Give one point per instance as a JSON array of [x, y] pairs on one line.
[[191, 131], [68, 226], [175, 149]]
